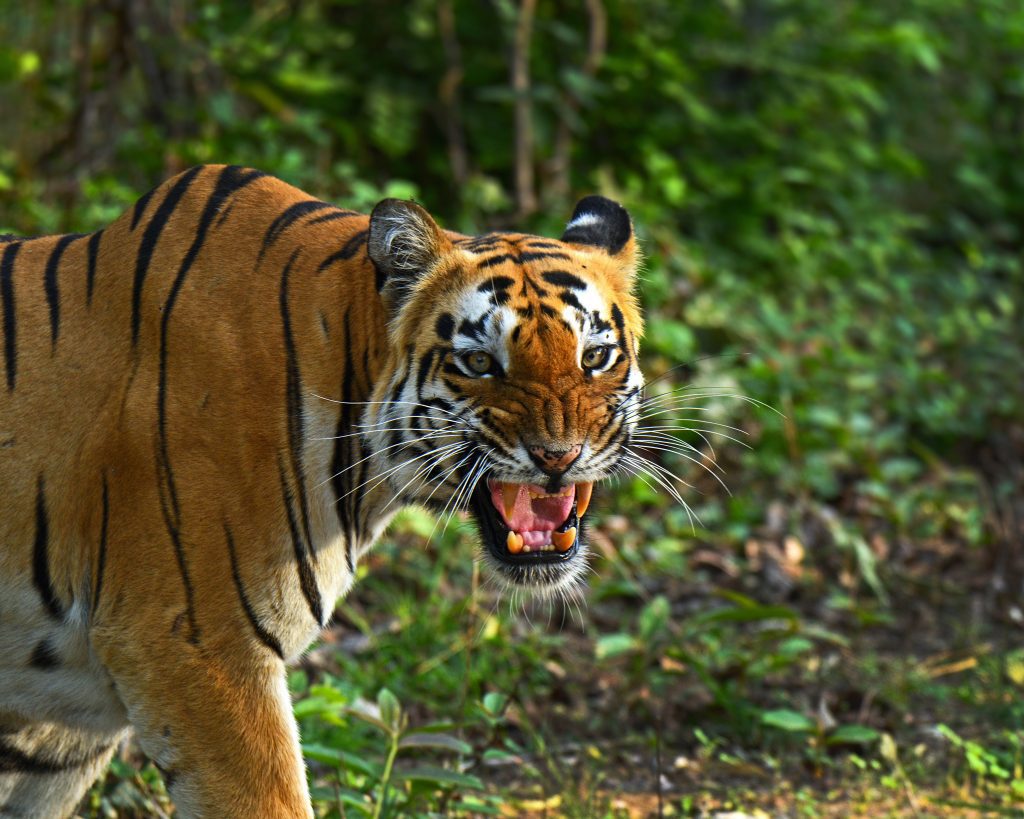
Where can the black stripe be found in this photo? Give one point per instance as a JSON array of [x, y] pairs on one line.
[[488, 241], [288, 218], [90, 276], [40, 558], [307, 579], [396, 391], [341, 478], [530, 257], [148, 244], [350, 248], [169, 776], [14, 761], [445, 326], [496, 260], [496, 283], [101, 558], [570, 298], [52, 286], [540, 291], [293, 401], [174, 533], [231, 179], [268, 639], [474, 329], [140, 206], [424, 370], [620, 325], [10, 327], [331, 217], [359, 521], [44, 656], [563, 278]]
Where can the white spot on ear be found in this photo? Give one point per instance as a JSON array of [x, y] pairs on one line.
[[407, 239], [583, 220]]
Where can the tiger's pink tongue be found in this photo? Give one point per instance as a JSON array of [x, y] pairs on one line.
[[536, 514]]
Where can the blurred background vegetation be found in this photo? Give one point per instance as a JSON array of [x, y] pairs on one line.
[[830, 194]]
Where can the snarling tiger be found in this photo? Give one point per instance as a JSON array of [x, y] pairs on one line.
[[210, 410]]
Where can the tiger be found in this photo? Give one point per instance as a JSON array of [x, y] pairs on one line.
[[209, 412]]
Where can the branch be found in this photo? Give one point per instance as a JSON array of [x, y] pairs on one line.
[[449, 93], [526, 198], [560, 164]]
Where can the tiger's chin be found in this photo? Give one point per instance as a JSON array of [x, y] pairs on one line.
[[532, 538]]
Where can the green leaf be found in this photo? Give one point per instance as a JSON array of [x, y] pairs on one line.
[[317, 706], [440, 776], [786, 720], [747, 614], [390, 710], [444, 741], [476, 807], [612, 645], [361, 712], [853, 735], [654, 617], [494, 703], [340, 759]]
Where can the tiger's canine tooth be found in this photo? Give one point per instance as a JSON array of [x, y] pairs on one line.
[[583, 492], [509, 493], [563, 540], [514, 542]]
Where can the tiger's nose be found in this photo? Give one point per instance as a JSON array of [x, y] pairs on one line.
[[554, 461]]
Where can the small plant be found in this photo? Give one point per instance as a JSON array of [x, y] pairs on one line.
[[369, 777], [986, 764]]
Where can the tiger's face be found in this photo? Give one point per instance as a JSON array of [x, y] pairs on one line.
[[513, 380]]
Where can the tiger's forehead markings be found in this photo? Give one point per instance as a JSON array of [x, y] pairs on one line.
[[497, 287], [563, 278], [512, 248], [493, 308]]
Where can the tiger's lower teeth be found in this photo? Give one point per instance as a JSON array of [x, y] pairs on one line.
[[560, 542]]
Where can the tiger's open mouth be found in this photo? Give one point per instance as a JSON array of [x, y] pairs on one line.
[[524, 525]]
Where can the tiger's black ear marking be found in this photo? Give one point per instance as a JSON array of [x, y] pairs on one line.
[[599, 222], [404, 243]]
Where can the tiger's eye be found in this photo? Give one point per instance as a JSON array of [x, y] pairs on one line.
[[596, 357], [479, 362]]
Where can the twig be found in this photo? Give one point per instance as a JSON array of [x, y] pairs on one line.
[[526, 198], [449, 92], [560, 163]]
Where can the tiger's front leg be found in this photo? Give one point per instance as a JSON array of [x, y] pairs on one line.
[[218, 724]]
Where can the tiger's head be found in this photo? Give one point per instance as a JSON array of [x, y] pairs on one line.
[[513, 379]]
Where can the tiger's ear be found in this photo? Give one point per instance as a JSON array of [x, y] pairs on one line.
[[604, 224], [404, 244]]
